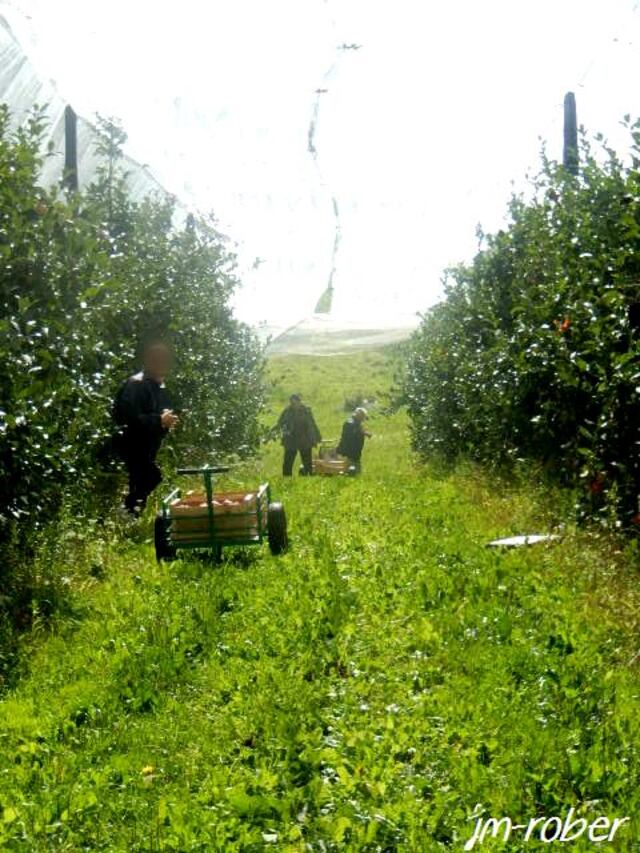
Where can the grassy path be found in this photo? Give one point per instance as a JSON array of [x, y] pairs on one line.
[[364, 692]]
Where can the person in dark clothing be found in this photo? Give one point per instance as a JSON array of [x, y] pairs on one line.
[[299, 435], [353, 436], [144, 415]]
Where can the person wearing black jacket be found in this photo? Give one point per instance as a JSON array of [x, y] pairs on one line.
[[144, 415], [353, 436], [299, 433]]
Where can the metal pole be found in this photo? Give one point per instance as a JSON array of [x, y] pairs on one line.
[[570, 157], [70, 178]]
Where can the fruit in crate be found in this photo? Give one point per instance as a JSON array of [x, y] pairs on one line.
[[235, 514]]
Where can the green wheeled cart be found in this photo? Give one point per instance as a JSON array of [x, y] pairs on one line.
[[210, 520]]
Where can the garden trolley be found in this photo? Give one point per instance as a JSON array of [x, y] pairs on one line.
[[211, 520], [328, 463]]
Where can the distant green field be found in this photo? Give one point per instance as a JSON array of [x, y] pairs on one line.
[[375, 689]]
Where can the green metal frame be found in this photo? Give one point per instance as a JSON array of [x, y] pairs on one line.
[[216, 540]]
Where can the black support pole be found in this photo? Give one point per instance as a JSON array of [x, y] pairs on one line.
[[570, 158], [70, 179]]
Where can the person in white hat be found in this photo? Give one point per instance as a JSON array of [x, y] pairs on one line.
[[353, 436]]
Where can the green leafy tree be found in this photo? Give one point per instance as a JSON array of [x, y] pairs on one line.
[[534, 351], [85, 280]]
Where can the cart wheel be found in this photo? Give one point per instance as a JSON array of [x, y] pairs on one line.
[[352, 471], [164, 548], [277, 528]]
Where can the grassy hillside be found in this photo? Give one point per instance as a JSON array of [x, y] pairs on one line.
[[364, 692]]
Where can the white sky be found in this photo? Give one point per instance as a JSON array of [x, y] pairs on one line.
[[419, 137]]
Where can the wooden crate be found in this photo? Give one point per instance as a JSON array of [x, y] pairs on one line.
[[330, 466], [235, 516]]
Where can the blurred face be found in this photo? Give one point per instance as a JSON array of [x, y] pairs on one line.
[[359, 416], [157, 361], [296, 402]]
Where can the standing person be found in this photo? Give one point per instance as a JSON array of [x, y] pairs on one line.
[[299, 435], [143, 412], [353, 436]]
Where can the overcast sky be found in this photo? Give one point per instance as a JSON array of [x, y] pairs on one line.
[[420, 133]]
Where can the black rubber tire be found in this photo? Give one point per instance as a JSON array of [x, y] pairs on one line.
[[164, 548], [277, 529]]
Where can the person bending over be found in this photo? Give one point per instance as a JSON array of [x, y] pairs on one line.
[[353, 436], [299, 435], [144, 415]]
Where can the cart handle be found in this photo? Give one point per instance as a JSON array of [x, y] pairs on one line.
[[205, 469]]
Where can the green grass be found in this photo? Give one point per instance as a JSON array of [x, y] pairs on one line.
[[363, 692]]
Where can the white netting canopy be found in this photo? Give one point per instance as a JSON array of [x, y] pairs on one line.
[[341, 143], [22, 88]]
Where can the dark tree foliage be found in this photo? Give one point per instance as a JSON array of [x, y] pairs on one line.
[[534, 351], [84, 281]]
